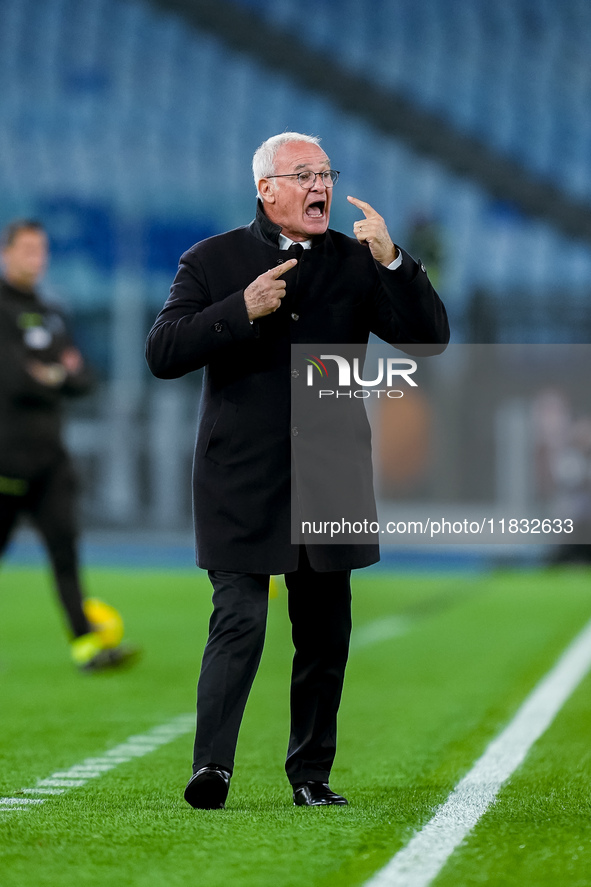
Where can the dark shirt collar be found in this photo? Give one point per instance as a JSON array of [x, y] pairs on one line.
[[14, 292], [264, 229]]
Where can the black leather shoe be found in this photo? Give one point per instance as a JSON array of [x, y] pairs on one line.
[[316, 794], [208, 788]]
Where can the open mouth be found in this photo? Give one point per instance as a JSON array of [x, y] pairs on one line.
[[315, 210]]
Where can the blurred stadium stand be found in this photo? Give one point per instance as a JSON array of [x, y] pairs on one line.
[[128, 128]]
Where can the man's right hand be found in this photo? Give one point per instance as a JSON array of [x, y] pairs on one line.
[[263, 295], [52, 375]]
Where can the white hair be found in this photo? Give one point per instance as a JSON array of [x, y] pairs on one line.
[[263, 161]]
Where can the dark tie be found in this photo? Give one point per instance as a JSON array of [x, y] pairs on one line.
[[295, 250]]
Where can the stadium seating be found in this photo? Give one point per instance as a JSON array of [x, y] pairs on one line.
[[114, 111]]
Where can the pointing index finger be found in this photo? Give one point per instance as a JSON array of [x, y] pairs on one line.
[[281, 269], [365, 208]]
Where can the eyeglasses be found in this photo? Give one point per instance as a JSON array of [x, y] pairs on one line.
[[307, 179]]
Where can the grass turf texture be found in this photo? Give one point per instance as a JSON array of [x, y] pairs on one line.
[[418, 710]]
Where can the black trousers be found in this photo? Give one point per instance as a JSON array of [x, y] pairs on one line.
[[49, 502], [320, 612]]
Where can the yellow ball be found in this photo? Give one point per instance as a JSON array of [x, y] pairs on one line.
[[105, 620]]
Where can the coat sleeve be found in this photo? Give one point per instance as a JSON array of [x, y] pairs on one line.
[[407, 310], [80, 383], [18, 383], [192, 328]]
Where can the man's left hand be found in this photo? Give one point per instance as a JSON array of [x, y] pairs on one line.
[[372, 231]]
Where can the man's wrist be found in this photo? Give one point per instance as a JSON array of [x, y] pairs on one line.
[[396, 261]]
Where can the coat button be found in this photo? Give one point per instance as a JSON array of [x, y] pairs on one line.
[[218, 327], [295, 316], [295, 374], [294, 431]]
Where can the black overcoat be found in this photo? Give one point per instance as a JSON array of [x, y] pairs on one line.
[[242, 467]]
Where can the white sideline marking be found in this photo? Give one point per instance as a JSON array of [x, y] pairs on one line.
[[382, 629], [417, 864], [91, 768], [54, 781], [18, 802]]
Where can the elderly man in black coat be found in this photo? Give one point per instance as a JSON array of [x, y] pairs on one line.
[[238, 303]]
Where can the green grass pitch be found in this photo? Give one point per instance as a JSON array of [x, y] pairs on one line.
[[439, 665]]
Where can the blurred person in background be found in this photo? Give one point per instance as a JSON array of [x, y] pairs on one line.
[[237, 303], [39, 368]]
